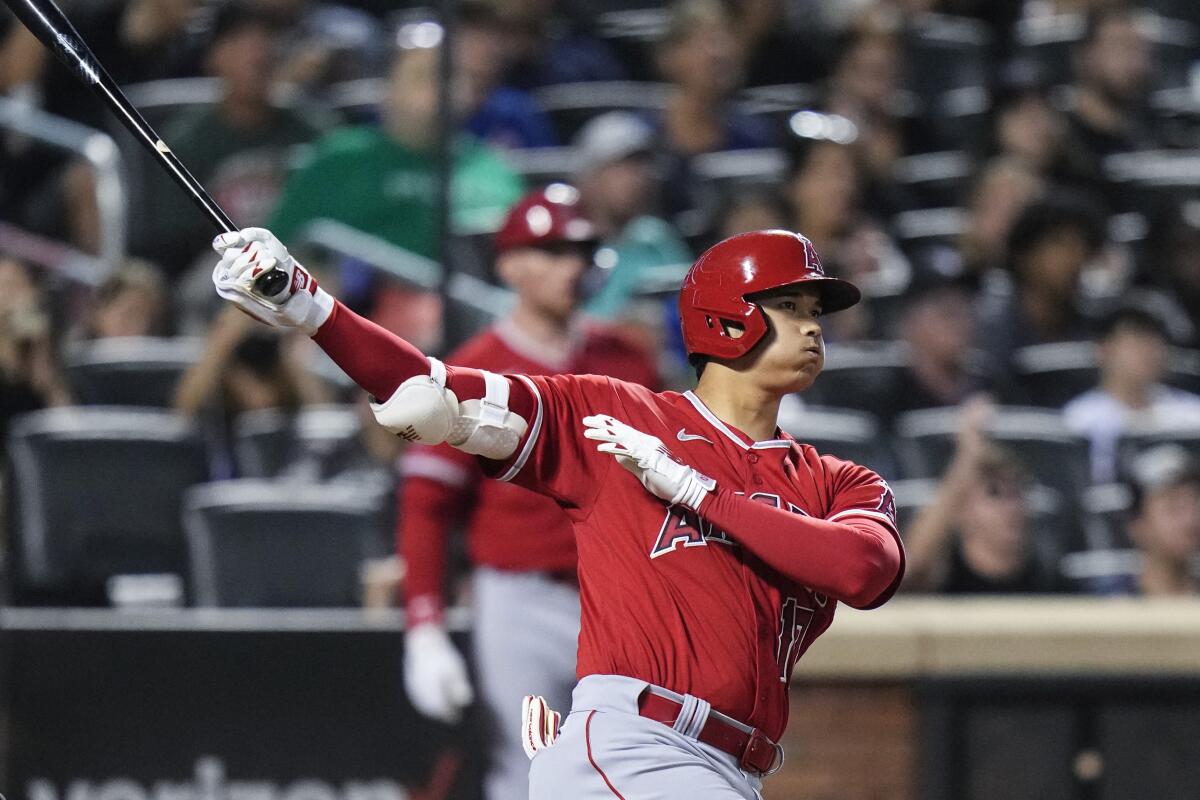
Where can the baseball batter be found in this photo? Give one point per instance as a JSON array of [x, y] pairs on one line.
[[712, 548], [521, 543]]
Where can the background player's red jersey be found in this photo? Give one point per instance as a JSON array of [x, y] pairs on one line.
[[509, 527], [668, 598]]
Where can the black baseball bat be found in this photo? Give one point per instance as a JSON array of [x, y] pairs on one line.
[[48, 23]]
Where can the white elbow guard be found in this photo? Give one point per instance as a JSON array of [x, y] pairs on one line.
[[423, 409]]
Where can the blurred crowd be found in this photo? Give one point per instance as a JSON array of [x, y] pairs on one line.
[[1014, 185]]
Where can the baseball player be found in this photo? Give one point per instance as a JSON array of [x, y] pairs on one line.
[[712, 548], [521, 542]]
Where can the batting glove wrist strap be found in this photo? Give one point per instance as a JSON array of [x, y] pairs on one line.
[[649, 460]]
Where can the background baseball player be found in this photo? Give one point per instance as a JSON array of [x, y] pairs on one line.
[[525, 593], [705, 569]]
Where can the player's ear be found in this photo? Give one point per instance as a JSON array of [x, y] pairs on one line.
[[509, 268]]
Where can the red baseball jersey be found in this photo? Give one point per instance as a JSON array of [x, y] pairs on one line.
[[509, 527], [666, 597]]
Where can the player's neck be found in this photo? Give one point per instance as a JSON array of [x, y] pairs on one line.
[[749, 408]]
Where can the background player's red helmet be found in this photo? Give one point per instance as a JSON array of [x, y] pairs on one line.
[[545, 217], [715, 289]]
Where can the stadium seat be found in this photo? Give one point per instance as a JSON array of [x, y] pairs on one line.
[[129, 371], [571, 105], [96, 492], [848, 434], [1050, 375], [1056, 457], [1106, 509], [937, 179], [270, 544], [268, 441], [911, 497], [864, 377], [1142, 436]]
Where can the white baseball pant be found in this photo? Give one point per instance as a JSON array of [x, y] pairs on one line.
[[607, 751], [526, 633]]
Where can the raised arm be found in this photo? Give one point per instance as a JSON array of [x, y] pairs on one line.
[[855, 559], [418, 398]]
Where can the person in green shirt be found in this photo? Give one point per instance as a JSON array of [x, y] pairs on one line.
[[382, 180], [639, 254]]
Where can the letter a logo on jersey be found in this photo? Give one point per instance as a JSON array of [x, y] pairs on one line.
[[679, 529]]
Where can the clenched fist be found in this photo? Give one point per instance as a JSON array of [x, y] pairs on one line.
[[250, 253]]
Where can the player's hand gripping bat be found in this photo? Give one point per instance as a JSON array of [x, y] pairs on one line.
[[48, 23]]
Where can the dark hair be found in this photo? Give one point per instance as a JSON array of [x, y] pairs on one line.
[[799, 149], [236, 16], [480, 15], [1048, 215], [698, 362], [1139, 317], [1100, 15]]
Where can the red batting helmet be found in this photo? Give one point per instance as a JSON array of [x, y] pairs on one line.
[[546, 217], [715, 289]]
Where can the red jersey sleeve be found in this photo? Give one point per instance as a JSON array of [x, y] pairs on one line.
[[438, 484], [857, 492], [554, 458]]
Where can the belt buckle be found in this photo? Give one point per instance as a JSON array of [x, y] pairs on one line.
[[756, 749]]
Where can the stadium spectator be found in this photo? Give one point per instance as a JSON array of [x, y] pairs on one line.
[[701, 58], [501, 115], [549, 44], [863, 87], [1112, 70], [30, 377], [136, 41], [1026, 127], [380, 180], [1004, 187], [1133, 361], [1165, 526], [1036, 300], [752, 211], [132, 301], [618, 188], [1173, 265], [824, 188], [325, 43], [245, 368], [938, 325], [238, 148], [972, 538]]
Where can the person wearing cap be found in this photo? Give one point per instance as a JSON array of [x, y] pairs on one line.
[[1165, 524], [1133, 346], [617, 185], [520, 543]]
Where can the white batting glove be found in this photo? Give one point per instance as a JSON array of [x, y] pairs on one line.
[[648, 459], [435, 674], [250, 253], [539, 724]]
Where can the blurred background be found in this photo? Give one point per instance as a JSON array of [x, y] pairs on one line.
[[199, 515]]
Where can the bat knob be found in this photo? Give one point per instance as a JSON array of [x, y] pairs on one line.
[[272, 283]]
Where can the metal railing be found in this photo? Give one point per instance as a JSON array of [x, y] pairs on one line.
[[96, 148]]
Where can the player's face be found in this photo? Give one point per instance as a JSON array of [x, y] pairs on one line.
[[548, 280], [793, 352]]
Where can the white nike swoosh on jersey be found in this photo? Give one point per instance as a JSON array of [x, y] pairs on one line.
[[691, 437]]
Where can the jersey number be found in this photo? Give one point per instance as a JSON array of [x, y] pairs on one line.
[[794, 620]]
